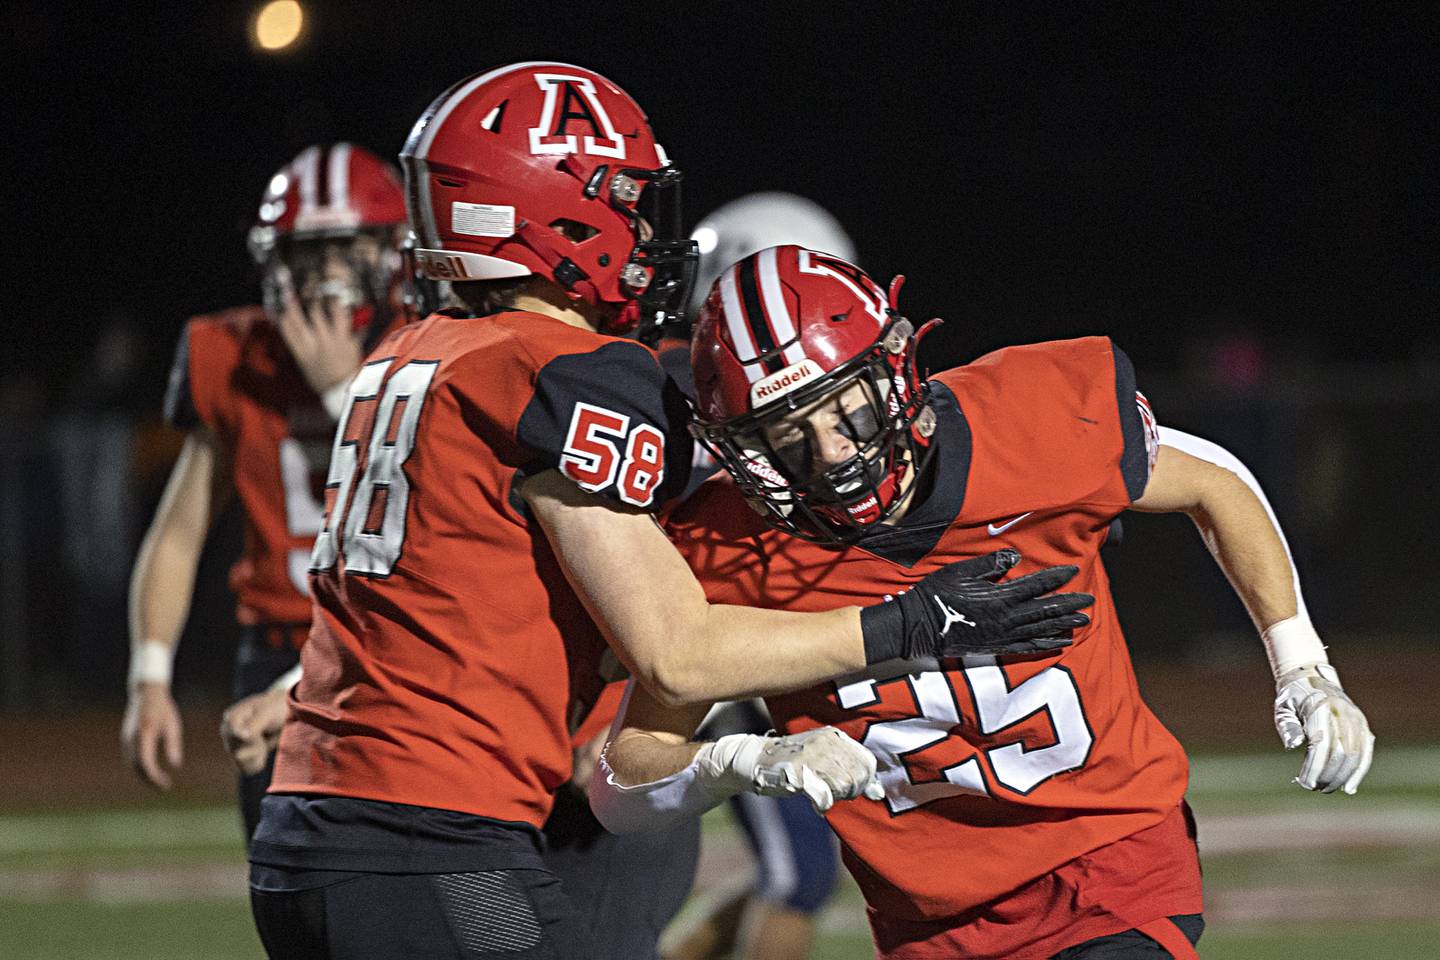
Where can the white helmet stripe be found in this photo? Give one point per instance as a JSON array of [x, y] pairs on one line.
[[425, 229], [740, 335], [307, 171], [338, 170], [780, 322]]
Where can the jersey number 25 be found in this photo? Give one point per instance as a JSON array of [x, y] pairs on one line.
[[1000, 709]]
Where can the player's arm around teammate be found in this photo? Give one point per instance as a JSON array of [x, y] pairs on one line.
[[650, 772], [661, 625], [1218, 493], [729, 652]]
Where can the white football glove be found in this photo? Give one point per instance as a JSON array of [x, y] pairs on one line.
[[823, 764], [1311, 706]]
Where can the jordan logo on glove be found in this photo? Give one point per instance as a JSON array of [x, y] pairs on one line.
[[951, 616]]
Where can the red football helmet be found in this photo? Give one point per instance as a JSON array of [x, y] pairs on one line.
[[334, 192], [550, 169], [785, 330]]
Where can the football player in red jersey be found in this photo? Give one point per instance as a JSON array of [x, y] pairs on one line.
[[255, 389], [488, 528], [1032, 807]]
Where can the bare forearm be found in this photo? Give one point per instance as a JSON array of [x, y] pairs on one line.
[[1246, 546], [160, 587], [164, 574], [746, 652], [638, 756], [1236, 526], [659, 622]]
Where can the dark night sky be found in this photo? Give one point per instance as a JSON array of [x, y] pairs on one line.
[[1056, 170]]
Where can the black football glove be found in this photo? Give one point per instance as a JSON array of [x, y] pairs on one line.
[[965, 608]]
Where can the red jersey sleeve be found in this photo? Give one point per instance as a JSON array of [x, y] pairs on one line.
[[206, 358], [1057, 422]]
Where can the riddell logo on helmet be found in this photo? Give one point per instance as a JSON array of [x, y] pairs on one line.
[[779, 384], [441, 266], [865, 506], [765, 472]]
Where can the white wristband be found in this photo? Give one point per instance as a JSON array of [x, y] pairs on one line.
[[334, 399], [288, 679], [151, 661], [1292, 643]]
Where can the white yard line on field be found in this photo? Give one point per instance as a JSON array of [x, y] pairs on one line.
[[154, 884], [1389, 824], [120, 830], [1244, 774]]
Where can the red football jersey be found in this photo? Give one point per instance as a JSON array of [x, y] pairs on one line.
[[994, 774], [449, 661], [233, 374]]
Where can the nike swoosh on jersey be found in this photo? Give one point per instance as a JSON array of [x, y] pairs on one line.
[[996, 531]]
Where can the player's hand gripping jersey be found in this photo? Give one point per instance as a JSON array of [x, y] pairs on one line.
[[994, 775], [449, 660], [233, 374]]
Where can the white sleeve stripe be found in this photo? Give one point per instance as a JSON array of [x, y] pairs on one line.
[[1218, 455], [645, 806]]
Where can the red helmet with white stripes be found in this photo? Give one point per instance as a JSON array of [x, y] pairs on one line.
[[549, 169], [788, 331], [327, 191], [335, 195]]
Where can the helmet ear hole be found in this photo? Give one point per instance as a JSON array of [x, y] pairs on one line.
[[573, 230]]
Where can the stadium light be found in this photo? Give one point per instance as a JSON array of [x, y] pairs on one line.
[[278, 25]]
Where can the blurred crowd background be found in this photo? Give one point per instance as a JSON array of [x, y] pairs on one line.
[[1246, 201]]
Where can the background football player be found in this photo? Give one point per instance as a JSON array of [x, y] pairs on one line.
[[486, 462], [257, 390], [796, 860], [1031, 806]]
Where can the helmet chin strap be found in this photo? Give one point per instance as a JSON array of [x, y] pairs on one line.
[[574, 281], [625, 321], [869, 510], [544, 243]]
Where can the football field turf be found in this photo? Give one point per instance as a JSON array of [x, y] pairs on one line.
[[1288, 875]]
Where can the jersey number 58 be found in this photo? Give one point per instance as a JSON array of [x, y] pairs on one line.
[[369, 517], [592, 457]]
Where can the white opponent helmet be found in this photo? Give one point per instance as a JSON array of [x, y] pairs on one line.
[[756, 222]]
